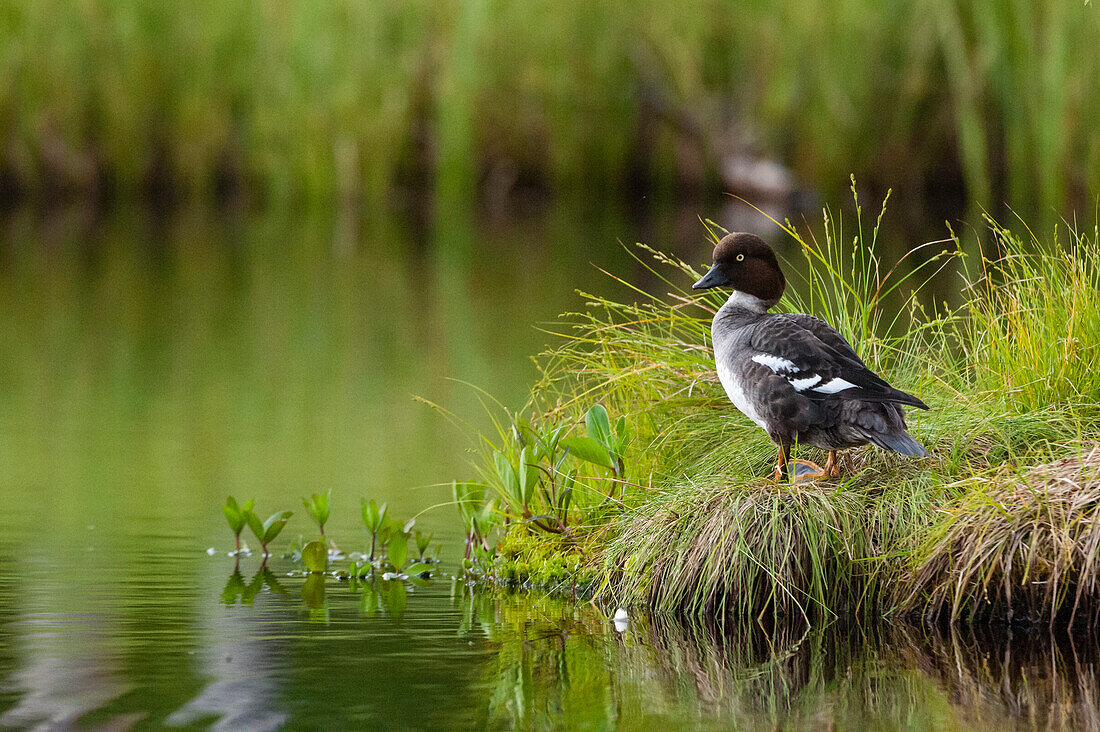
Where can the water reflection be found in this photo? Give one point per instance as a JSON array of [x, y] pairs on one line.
[[560, 663]]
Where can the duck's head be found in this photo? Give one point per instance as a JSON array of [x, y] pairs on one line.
[[746, 264]]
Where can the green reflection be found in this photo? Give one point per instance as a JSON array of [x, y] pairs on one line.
[[560, 664]]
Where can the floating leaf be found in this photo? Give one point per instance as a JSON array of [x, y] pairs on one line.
[[587, 449], [418, 568], [315, 556]]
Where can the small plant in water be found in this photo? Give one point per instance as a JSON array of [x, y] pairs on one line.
[[237, 517], [266, 531], [374, 518], [317, 505], [315, 557], [422, 543]]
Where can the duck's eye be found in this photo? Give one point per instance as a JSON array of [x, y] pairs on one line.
[[740, 257]]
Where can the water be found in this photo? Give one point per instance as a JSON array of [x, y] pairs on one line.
[[150, 367]]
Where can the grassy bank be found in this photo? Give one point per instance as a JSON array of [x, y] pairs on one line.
[[677, 513], [350, 100]]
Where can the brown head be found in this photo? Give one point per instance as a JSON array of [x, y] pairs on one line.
[[746, 264]]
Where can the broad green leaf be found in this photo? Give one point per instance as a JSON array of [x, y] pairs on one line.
[[417, 568], [317, 505], [508, 479], [315, 556], [255, 524], [598, 424], [587, 449], [370, 514], [232, 503], [399, 551], [274, 524], [234, 517]]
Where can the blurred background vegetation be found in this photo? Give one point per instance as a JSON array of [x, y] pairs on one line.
[[956, 104]]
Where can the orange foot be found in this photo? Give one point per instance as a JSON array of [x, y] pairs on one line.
[[806, 470]]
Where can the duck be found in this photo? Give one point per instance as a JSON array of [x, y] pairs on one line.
[[792, 374]]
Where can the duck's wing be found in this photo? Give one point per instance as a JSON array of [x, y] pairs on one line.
[[818, 363]]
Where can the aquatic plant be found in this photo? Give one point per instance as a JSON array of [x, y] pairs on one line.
[[423, 541], [315, 557], [317, 506], [375, 519], [237, 517], [266, 531]]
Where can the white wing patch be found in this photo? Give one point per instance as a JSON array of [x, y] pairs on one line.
[[775, 363], [804, 384], [834, 385]]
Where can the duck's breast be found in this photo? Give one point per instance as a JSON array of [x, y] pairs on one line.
[[732, 376]]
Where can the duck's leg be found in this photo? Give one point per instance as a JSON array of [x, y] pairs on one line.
[[831, 466]]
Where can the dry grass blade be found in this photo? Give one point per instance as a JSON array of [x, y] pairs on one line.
[[1018, 545]]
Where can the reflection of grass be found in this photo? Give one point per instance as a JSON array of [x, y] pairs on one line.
[[346, 99], [706, 535], [560, 664]]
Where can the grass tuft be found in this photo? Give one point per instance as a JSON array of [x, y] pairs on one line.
[[1019, 544]]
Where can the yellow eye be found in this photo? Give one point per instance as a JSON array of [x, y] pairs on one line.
[[740, 257]]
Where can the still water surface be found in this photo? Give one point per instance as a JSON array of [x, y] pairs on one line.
[[150, 368]]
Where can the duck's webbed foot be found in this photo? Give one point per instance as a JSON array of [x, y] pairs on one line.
[[806, 470]]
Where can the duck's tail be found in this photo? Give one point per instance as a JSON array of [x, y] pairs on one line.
[[899, 440]]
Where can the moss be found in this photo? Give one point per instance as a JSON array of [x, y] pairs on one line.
[[542, 560]]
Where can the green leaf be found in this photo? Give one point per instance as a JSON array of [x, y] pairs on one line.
[[399, 551], [529, 475], [587, 449], [509, 481], [274, 524], [370, 514], [317, 505], [234, 517], [564, 499], [255, 524], [315, 556], [417, 568], [422, 542], [599, 425]]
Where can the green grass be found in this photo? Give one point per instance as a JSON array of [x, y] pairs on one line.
[[1010, 375], [353, 101]]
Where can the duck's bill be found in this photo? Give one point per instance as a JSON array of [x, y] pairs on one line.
[[713, 278]]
